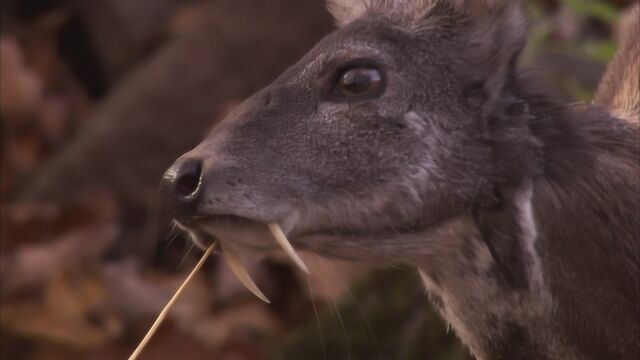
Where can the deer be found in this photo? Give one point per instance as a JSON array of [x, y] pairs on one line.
[[412, 134]]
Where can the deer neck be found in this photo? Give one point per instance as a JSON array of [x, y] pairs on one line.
[[524, 277], [491, 287]]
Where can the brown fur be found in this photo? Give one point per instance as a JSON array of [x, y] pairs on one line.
[[619, 90]]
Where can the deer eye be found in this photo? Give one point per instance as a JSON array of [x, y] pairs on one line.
[[358, 83]]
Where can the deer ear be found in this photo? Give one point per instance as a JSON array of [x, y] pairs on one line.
[[496, 38], [345, 11]]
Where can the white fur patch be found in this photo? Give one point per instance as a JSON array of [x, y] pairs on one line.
[[415, 122], [529, 237], [472, 299]]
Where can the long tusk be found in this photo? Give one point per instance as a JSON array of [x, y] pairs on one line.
[[233, 260], [282, 240]]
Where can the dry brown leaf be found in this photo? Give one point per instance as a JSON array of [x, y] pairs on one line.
[[29, 223], [139, 294], [35, 264], [73, 312], [20, 87], [25, 153]]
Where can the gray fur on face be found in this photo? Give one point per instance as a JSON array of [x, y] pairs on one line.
[[516, 209], [413, 156]]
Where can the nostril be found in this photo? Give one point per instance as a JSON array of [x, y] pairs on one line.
[[188, 178]]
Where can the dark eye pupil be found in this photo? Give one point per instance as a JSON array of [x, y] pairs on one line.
[[359, 81]]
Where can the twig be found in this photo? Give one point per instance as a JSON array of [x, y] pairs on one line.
[[165, 311]]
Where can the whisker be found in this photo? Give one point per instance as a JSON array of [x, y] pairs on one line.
[[185, 256], [343, 329], [172, 235], [362, 315], [317, 316], [335, 312], [195, 238]]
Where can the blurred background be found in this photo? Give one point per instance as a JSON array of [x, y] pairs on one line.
[[97, 98]]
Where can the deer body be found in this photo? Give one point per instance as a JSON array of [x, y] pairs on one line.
[[410, 135]]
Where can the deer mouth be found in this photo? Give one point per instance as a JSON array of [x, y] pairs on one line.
[[228, 219], [231, 231]]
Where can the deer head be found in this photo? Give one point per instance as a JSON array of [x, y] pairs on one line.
[[382, 130]]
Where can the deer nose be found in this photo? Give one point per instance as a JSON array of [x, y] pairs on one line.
[[181, 185]]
